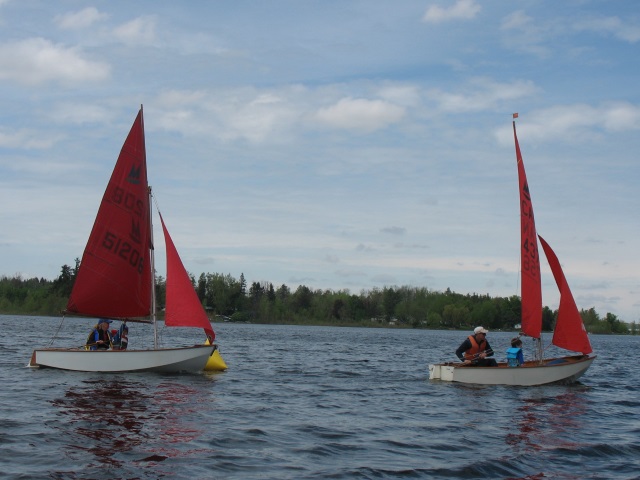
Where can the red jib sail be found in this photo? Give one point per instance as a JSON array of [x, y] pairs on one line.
[[114, 279], [530, 261], [569, 333], [183, 308]]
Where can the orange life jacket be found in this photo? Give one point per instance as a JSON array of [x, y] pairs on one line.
[[475, 349]]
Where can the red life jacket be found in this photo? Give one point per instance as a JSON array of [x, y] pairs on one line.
[[475, 349]]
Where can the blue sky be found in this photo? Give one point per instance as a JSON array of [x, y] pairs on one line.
[[335, 144]]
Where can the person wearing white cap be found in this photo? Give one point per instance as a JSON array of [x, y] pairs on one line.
[[475, 349]]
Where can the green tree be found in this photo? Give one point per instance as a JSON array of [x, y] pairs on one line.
[[201, 289], [416, 307], [486, 314], [390, 299], [64, 283], [548, 319], [271, 293], [161, 292], [243, 285], [302, 299], [455, 316]]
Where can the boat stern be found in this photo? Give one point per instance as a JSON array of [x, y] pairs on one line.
[[32, 362], [441, 371]]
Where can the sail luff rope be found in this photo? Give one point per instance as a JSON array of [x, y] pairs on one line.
[[153, 273]]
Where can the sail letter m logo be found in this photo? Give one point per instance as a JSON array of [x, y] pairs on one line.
[[134, 175]]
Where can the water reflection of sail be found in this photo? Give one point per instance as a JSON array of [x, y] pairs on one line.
[[121, 423], [106, 417], [547, 422], [181, 422], [525, 431]]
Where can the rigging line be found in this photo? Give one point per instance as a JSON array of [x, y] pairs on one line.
[[550, 344], [155, 201], [55, 335]]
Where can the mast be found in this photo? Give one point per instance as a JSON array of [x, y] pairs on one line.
[[152, 266], [153, 276], [539, 350]]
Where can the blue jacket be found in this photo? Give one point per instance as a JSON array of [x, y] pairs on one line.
[[515, 357]]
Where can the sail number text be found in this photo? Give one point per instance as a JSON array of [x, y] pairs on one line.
[[530, 259], [127, 200], [124, 250]]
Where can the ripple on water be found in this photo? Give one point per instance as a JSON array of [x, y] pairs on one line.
[[315, 402]]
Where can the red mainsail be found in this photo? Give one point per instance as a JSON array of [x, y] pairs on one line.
[[114, 279], [569, 333], [183, 308], [530, 261]]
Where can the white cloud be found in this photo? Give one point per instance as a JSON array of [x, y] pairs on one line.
[[273, 115], [516, 21], [462, 10], [79, 114], [25, 139], [612, 26], [577, 122], [141, 30], [179, 98], [405, 95], [81, 19], [261, 116], [232, 114], [621, 117], [394, 230], [482, 94], [360, 114], [35, 61], [526, 35]]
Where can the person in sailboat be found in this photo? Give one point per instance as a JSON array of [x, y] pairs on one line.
[[100, 337], [120, 337], [515, 357], [475, 349]]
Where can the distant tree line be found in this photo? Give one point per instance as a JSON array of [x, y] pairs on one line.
[[227, 298]]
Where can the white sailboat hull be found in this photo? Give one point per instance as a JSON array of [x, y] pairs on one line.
[[553, 370], [167, 360]]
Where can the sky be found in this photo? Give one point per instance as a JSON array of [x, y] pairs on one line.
[[342, 145]]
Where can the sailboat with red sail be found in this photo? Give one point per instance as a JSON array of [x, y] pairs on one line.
[[116, 281], [569, 333]]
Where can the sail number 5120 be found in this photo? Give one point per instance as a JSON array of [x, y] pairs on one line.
[[124, 250]]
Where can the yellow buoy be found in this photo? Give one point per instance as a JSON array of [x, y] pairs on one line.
[[215, 362]]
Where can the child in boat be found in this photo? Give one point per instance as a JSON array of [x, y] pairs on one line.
[[120, 337], [100, 337], [515, 357]]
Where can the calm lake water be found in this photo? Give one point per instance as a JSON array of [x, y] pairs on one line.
[[311, 402]]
